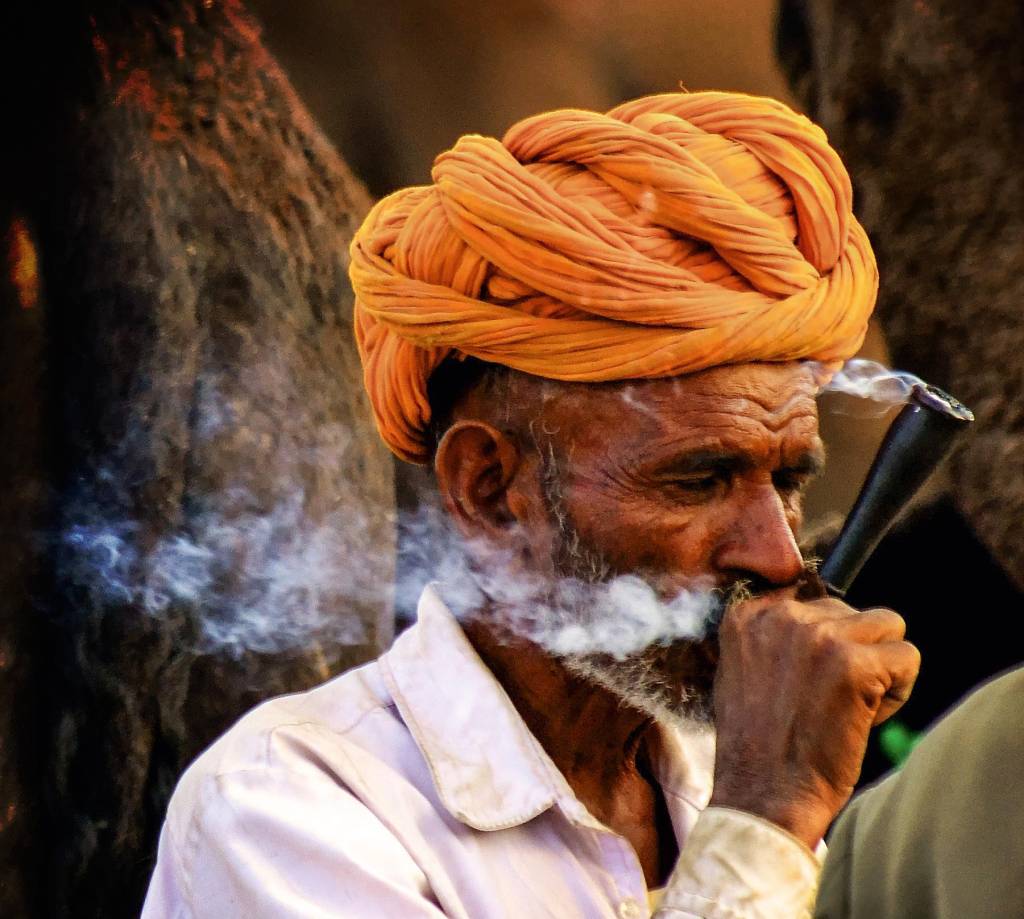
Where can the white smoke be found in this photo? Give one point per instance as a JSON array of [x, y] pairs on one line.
[[274, 581], [260, 581], [273, 578], [620, 617], [875, 387], [615, 615]]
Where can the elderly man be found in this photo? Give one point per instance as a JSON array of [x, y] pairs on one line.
[[606, 333]]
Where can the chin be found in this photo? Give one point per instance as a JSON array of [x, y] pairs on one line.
[[670, 684]]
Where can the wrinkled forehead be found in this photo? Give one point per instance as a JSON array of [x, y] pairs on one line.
[[746, 406]]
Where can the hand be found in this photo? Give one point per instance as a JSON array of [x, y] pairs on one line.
[[798, 687]]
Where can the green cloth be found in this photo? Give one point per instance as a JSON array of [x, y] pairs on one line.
[[942, 838]]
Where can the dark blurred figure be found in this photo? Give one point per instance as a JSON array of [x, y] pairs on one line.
[[934, 562], [941, 837]]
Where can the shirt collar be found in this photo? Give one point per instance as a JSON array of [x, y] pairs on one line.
[[490, 772]]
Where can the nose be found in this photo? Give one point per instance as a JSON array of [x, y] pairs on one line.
[[759, 544]]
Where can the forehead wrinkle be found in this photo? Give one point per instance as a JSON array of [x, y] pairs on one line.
[[637, 411], [764, 384], [649, 431], [727, 432], [735, 402], [767, 395], [694, 420]]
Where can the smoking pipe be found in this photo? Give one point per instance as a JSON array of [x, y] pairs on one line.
[[922, 435]]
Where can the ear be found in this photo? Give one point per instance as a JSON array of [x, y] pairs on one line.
[[475, 464]]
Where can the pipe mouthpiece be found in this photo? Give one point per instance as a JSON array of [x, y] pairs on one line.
[[940, 401]]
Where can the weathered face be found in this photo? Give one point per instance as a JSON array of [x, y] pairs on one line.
[[694, 481], [696, 477]]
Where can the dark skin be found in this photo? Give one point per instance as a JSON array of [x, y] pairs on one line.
[[699, 477]]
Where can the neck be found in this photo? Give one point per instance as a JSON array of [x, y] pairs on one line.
[[597, 742]]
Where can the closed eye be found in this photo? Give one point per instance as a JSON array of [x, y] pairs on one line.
[[698, 483], [703, 485]]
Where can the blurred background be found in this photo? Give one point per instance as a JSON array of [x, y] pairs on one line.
[[197, 512]]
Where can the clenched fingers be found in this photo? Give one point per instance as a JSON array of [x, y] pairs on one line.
[[900, 662], [873, 626]]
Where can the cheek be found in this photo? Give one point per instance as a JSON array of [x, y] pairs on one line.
[[678, 542], [634, 533]]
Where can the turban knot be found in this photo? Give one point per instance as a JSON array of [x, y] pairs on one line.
[[674, 233]]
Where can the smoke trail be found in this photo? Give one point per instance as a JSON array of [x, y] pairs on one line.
[[266, 574], [268, 581], [870, 382], [259, 540], [275, 581], [618, 615]]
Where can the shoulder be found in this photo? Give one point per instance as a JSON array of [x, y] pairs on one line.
[[952, 811], [297, 742], [981, 737], [288, 791]]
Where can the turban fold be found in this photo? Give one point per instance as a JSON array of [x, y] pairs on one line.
[[674, 233]]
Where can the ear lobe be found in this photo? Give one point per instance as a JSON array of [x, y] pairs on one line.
[[474, 464]]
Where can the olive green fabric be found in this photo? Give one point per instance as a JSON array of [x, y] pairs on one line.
[[944, 836]]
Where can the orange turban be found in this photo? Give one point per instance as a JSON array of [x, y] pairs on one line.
[[675, 233]]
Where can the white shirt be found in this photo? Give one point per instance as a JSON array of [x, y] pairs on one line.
[[411, 788]]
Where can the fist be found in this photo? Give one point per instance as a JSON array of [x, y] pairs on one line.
[[798, 687]]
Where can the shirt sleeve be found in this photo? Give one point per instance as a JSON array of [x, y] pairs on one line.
[[737, 866], [257, 846]]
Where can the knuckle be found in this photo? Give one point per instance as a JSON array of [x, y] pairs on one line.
[[829, 654], [757, 616], [832, 607], [911, 649], [873, 691], [888, 616], [846, 663], [827, 638], [912, 655]]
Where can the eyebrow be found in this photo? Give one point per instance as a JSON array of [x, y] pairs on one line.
[[810, 462]]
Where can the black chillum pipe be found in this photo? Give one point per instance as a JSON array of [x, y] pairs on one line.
[[920, 438]]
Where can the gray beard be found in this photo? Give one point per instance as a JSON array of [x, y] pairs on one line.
[[643, 681], [640, 684]]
